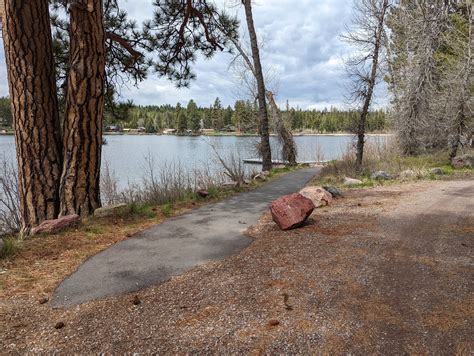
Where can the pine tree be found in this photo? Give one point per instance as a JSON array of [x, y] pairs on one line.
[[182, 122], [228, 116], [194, 117], [85, 103], [217, 115], [29, 58]]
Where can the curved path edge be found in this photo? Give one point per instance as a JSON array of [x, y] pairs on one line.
[[209, 233]]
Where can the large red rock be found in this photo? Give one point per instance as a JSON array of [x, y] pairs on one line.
[[291, 211], [318, 195], [56, 225]]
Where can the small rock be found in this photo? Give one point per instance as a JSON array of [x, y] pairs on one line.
[[318, 196], [260, 177], [464, 161], [109, 210], [335, 192], [381, 175], [43, 300], [59, 325], [291, 211], [136, 300], [351, 182], [263, 175], [56, 225], [203, 193], [273, 323], [437, 171]]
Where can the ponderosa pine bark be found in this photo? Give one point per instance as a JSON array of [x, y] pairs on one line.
[[263, 112], [80, 180], [29, 57]]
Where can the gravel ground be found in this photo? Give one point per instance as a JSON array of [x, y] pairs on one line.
[[387, 270]]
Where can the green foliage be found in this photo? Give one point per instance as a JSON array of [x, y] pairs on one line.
[[182, 122], [9, 248], [5, 112], [141, 209], [194, 118], [167, 209], [179, 29], [217, 115], [214, 192]]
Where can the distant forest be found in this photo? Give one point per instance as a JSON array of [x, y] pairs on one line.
[[242, 118]]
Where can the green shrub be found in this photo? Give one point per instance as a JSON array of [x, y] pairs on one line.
[[9, 248]]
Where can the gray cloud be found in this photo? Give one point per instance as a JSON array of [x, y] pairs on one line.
[[300, 43]]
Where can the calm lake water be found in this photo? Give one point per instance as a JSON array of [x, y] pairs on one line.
[[126, 155]]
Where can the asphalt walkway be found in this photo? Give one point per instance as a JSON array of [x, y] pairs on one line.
[[210, 233]]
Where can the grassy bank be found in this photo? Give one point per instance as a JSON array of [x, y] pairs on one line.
[[388, 159]]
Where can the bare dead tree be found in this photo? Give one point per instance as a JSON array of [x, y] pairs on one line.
[[285, 137], [364, 68], [414, 74]]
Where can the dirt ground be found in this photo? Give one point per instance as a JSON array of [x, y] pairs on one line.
[[387, 270]]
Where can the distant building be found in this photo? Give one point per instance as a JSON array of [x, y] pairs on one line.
[[169, 131], [205, 131]]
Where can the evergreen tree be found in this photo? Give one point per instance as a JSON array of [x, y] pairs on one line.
[[217, 115], [194, 118], [182, 122], [5, 112], [228, 116]]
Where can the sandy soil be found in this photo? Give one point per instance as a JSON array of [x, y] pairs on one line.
[[386, 271]]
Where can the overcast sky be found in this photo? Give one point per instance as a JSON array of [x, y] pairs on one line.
[[301, 48]]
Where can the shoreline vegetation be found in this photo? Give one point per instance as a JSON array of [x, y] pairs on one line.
[[96, 233], [10, 132], [152, 202]]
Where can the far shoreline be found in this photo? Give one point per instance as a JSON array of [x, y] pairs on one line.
[[340, 134], [223, 134]]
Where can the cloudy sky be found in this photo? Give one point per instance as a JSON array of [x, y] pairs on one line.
[[302, 49]]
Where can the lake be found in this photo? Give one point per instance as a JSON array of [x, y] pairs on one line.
[[126, 154]]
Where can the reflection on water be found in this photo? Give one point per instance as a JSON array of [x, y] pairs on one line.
[[126, 154]]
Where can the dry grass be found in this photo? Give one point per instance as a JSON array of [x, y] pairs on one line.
[[338, 275], [387, 157]]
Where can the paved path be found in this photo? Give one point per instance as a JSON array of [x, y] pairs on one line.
[[209, 233]]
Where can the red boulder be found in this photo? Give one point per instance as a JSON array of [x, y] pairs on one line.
[[291, 211], [56, 225]]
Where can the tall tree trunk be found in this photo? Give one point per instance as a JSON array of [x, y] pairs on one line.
[[263, 114], [80, 179], [29, 57], [362, 124]]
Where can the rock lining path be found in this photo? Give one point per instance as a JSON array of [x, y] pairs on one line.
[[210, 233]]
